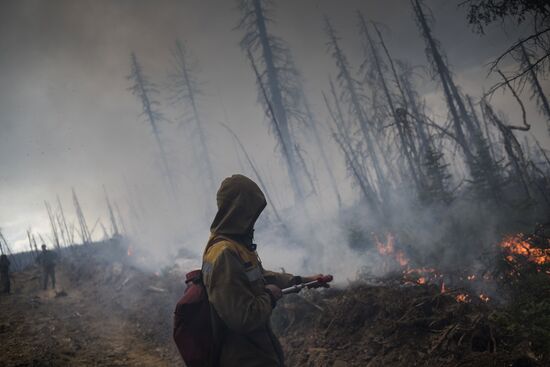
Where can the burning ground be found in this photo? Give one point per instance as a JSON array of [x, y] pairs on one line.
[[427, 317], [108, 312]]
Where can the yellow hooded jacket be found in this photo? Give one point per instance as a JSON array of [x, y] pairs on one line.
[[235, 281]]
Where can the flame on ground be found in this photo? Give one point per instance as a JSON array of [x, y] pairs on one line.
[[484, 297], [517, 247], [463, 298], [388, 249]]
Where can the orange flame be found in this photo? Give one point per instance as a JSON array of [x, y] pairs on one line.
[[129, 252], [516, 245], [463, 297], [401, 258], [484, 297], [388, 248], [517, 249]]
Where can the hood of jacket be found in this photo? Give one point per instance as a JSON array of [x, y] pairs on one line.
[[240, 203]]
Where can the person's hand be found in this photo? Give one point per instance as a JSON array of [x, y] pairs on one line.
[[274, 291]]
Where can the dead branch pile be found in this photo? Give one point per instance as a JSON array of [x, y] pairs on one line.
[[397, 326]]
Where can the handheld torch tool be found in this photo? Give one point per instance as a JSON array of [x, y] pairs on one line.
[[319, 282]]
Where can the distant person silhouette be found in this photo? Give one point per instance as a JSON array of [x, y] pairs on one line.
[[5, 273], [48, 261]]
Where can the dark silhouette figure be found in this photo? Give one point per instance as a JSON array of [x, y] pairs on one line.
[[48, 260], [5, 273]]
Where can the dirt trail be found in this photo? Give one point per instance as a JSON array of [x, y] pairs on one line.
[[45, 328]]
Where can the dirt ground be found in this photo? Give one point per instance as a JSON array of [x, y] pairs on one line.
[[46, 328]]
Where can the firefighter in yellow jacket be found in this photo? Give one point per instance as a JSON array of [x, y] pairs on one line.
[[241, 293]]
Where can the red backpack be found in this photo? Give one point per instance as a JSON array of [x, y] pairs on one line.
[[192, 323]]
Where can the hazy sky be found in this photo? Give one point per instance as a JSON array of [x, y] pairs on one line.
[[68, 120]]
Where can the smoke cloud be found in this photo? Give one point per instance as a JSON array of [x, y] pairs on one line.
[[69, 121]]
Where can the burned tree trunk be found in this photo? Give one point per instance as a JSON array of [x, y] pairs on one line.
[[419, 128], [53, 225], [186, 91], [483, 170], [144, 89], [351, 93], [114, 226], [433, 170], [513, 150], [63, 224], [343, 140], [441, 69], [121, 219], [84, 231], [312, 124], [256, 173], [410, 101], [278, 91], [538, 93], [408, 148], [291, 167]]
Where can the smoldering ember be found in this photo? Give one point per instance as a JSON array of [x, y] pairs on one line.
[[388, 162]]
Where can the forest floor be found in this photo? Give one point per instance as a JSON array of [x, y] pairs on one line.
[[402, 326], [79, 326], [108, 313]]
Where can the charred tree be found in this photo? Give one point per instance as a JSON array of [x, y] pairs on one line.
[[352, 93], [420, 130], [407, 145], [343, 139], [121, 219], [144, 89], [436, 176], [53, 225], [534, 16], [512, 148], [313, 126], [276, 79], [484, 171], [114, 225], [256, 173], [438, 63], [538, 93], [84, 231], [436, 188], [411, 103], [186, 90], [32, 249], [63, 224]]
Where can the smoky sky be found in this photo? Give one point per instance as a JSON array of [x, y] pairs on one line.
[[68, 120]]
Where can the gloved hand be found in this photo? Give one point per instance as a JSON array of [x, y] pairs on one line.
[[274, 292]]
